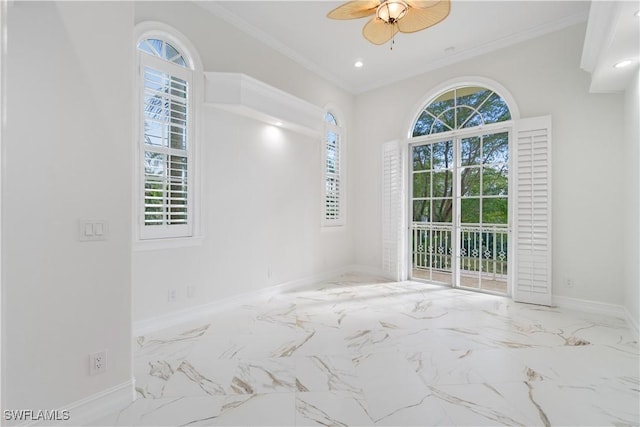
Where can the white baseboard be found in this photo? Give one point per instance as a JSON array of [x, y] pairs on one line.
[[102, 404], [94, 407], [198, 312], [590, 306]]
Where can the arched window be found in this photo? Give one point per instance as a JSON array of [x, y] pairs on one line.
[[332, 179], [460, 189], [166, 139], [460, 108]]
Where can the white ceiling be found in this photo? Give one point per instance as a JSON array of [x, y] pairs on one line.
[[301, 30]]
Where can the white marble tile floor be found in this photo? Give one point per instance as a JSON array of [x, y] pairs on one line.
[[361, 351]]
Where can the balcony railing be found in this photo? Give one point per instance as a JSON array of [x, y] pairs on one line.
[[483, 254]]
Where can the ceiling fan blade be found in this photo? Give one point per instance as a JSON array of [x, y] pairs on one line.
[[379, 32], [419, 19], [354, 9], [422, 4]]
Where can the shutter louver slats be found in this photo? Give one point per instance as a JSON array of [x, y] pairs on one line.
[[392, 211], [165, 152], [333, 211], [532, 282]]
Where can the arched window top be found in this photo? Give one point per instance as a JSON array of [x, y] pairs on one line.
[[460, 108], [331, 119], [162, 49]]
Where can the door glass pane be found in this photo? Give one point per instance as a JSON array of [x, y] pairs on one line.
[[495, 180], [442, 155], [442, 184], [421, 211], [422, 184], [442, 210], [422, 158], [470, 182], [495, 148], [494, 210], [470, 260], [470, 211], [470, 151]]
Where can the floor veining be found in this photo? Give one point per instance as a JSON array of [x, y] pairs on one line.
[[360, 351]]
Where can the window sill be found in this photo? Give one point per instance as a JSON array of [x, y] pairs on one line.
[[172, 243]]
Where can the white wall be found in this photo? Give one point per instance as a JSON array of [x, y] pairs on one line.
[[631, 194], [261, 186], [544, 77], [66, 157]]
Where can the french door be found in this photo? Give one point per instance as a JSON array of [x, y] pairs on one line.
[[460, 210]]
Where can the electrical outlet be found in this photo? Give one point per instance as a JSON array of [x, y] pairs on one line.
[[171, 296], [569, 282], [98, 362]]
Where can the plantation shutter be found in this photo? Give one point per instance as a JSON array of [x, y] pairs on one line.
[[532, 161], [333, 209], [393, 233], [165, 149]]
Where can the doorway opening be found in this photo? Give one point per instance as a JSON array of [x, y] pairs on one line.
[[459, 231], [459, 178]]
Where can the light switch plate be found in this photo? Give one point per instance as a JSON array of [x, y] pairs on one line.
[[92, 230]]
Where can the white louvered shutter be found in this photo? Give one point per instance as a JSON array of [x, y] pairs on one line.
[[333, 208], [393, 233], [165, 149], [532, 237]]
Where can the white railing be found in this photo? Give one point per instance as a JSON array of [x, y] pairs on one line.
[[483, 248]]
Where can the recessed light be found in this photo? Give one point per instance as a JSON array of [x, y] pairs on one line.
[[358, 64], [278, 123], [637, 14], [623, 64]]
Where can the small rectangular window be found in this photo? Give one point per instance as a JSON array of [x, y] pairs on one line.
[[333, 206]]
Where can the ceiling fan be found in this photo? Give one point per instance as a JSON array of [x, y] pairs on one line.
[[391, 16]]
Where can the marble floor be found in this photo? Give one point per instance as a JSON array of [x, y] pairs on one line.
[[359, 351]]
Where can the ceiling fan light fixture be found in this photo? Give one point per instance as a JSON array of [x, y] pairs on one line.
[[391, 11]]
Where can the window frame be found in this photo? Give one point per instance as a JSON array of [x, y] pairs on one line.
[[339, 176], [164, 231], [459, 134], [168, 236], [456, 82]]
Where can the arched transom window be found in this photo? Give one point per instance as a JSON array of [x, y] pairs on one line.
[[162, 49], [459, 108]]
